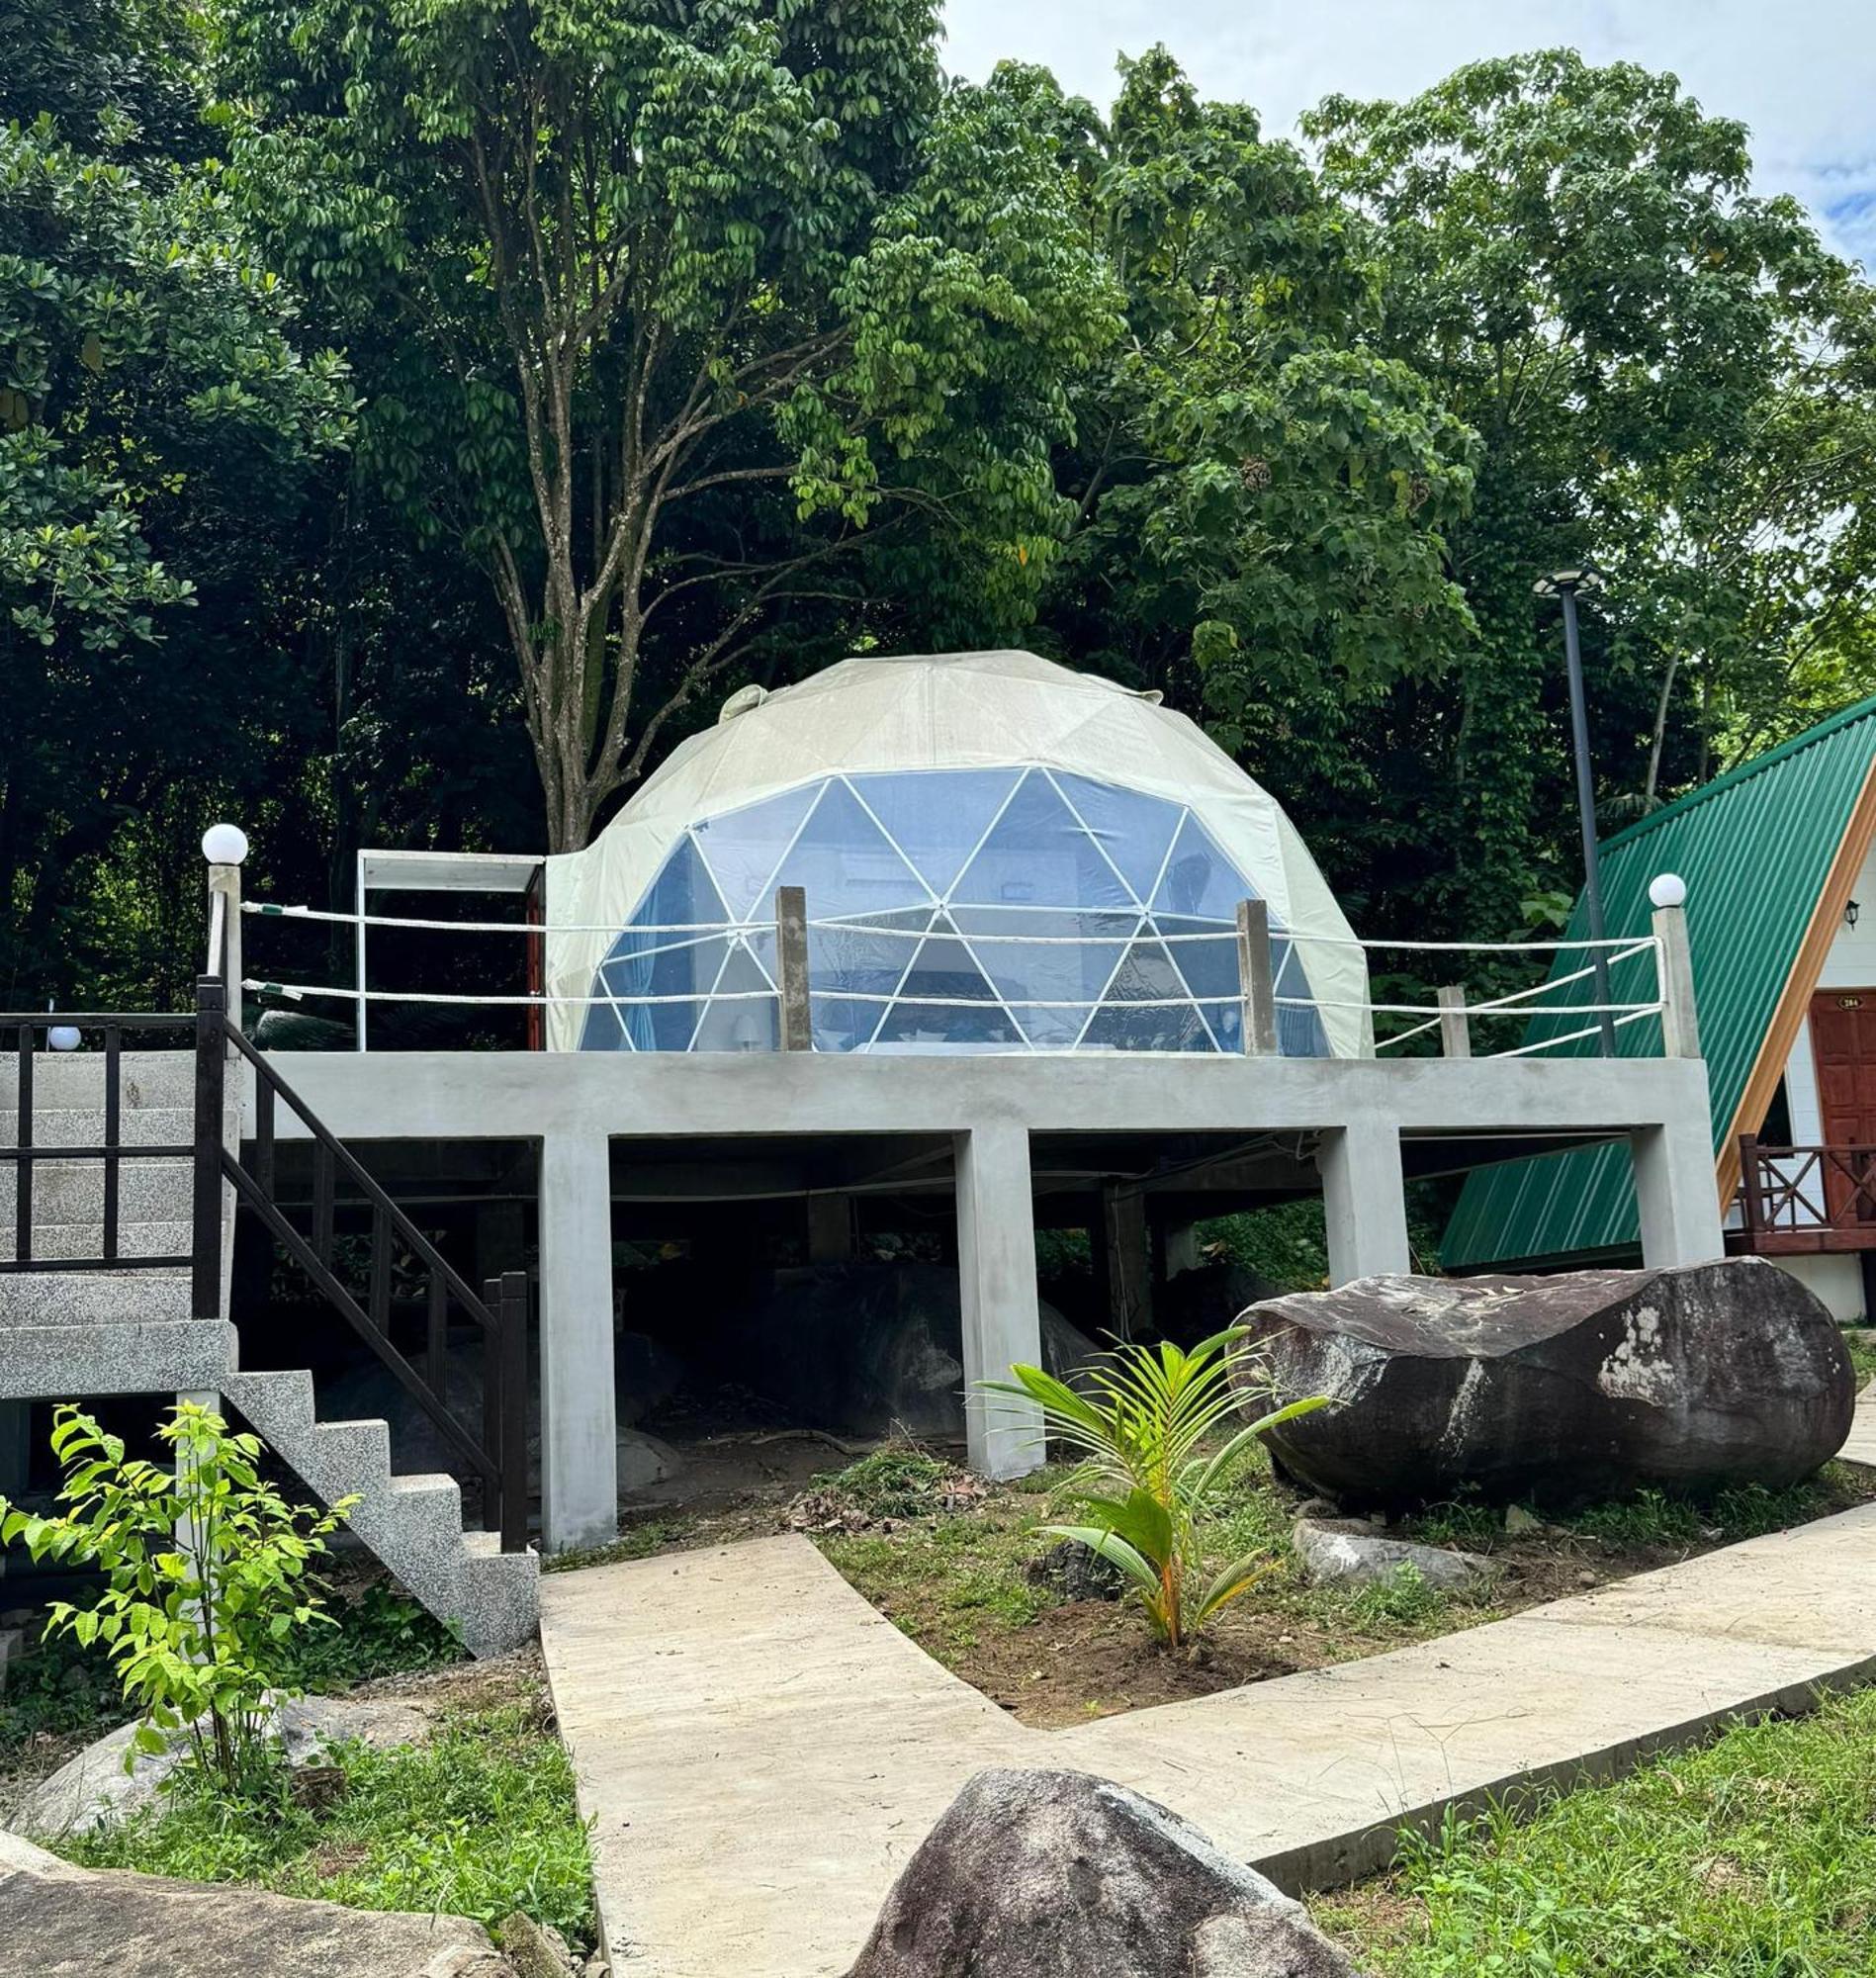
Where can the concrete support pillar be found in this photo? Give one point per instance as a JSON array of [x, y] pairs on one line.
[[1127, 1270], [996, 1281], [830, 1229], [1363, 1201], [1676, 1194], [579, 1462]]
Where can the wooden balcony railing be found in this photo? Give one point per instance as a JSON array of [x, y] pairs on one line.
[[1793, 1200]]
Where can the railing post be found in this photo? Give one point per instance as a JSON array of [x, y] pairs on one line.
[[1456, 1030], [1255, 986], [224, 846], [1751, 1196], [511, 1334], [1680, 1020], [205, 1250], [791, 968]]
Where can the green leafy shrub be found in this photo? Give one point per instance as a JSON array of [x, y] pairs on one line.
[[1150, 1480], [478, 1822], [207, 1578]]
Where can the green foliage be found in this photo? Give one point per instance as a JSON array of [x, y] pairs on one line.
[[1666, 375], [376, 1632], [1751, 1857], [682, 303], [478, 1822], [206, 1572], [1144, 1421], [1403, 1596]]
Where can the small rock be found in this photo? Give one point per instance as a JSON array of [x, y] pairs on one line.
[[1588, 1580], [1074, 1571], [1347, 1552], [317, 1788], [534, 1949], [1520, 1523]]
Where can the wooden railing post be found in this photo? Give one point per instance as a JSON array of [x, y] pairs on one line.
[[1255, 985], [1456, 1030], [205, 1250], [510, 1307], [791, 968], [1751, 1196]]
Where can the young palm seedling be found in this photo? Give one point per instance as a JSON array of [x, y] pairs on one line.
[[1145, 1421]]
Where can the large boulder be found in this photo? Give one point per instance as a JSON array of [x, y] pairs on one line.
[[1035, 1874], [61, 1922], [1566, 1388], [868, 1349]]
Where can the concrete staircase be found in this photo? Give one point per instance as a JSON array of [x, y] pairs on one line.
[[118, 1332]]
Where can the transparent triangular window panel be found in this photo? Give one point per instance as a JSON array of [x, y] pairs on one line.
[[1198, 882], [936, 818], [1039, 857], [658, 990], [742, 848], [683, 896], [1050, 986], [845, 862], [742, 1013], [1134, 829], [1147, 1007]]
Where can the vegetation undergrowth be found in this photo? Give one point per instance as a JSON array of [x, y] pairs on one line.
[[208, 1579], [478, 1822], [1755, 1857]]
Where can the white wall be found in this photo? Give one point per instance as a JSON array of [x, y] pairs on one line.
[[1850, 964], [1837, 1280]]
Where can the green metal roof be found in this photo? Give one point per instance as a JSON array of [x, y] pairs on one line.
[[1755, 847]]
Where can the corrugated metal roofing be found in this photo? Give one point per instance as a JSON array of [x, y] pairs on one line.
[[1755, 847]]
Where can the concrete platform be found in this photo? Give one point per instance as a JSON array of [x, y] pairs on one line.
[[760, 1750]]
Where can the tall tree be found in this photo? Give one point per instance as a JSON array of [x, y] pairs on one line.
[[1649, 355], [689, 297], [157, 419]]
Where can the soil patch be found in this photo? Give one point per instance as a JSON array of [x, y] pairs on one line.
[[951, 1568]]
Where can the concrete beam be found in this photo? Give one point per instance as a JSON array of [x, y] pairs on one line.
[[1676, 1194], [507, 1095], [1363, 1203], [579, 1462], [996, 1282]]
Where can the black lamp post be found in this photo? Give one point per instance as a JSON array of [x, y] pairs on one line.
[[1564, 584]]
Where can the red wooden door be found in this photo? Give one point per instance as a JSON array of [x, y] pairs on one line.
[[1843, 1041]]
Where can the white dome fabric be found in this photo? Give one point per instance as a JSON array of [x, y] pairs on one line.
[[945, 810]]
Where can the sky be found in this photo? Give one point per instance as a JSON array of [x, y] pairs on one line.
[[1801, 74]]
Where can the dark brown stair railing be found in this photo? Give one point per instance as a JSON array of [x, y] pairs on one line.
[[31, 1032], [499, 1313]]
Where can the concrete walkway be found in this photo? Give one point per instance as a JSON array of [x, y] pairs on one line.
[[1861, 1446], [760, 1750]]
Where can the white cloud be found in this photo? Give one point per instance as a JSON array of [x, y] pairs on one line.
[[1802, 75]]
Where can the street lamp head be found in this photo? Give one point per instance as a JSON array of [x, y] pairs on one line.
[[1584, 577], [224, 845], [1667, 889]]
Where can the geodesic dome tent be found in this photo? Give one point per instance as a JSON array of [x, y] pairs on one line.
[[998, 854]]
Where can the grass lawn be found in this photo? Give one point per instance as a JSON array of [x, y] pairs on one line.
[[947, 1560], [479, 1821], [1753, 1857]]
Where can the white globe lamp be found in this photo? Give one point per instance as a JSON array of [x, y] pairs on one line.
[[63, 1038], [224, 845], [1667, 889]]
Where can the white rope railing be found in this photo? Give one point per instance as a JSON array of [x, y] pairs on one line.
[[1137, 927]]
